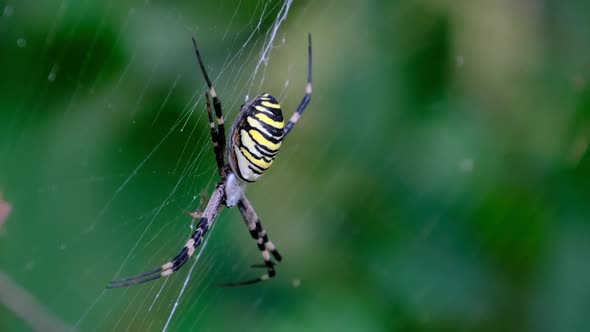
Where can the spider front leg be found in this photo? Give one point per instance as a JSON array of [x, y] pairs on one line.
[[295, 117], [266, 247], [217, 135], [216, 138]]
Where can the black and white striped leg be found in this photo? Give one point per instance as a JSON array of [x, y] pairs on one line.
[[257, 232], [209, 215], [170, 267], [295, 117], [216, 106], [216, 137], [266, 247]]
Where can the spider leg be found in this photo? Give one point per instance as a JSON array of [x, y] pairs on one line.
[[216, 137], [265, 246], [209, 216], [295, 117], [264, 242], [173, 265], [216, 106], [257, 232]]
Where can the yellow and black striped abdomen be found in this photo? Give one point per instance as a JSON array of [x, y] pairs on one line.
[[256, 137]]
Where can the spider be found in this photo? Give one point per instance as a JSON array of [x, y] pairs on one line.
[[254, 140]]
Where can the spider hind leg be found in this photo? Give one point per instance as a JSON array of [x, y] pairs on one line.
[[265, 246]]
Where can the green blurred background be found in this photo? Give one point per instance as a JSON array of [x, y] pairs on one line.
[[438, 181]]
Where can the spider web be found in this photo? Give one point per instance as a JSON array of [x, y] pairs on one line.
[[166, 104], [247, 78]]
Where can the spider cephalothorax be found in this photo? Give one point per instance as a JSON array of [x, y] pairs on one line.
[[254, 141]]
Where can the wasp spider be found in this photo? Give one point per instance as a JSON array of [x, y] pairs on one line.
[[254, 140]]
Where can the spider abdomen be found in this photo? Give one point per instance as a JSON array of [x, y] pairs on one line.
[[256, 137]]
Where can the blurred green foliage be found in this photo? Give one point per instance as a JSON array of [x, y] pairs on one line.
[[439, 180]]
